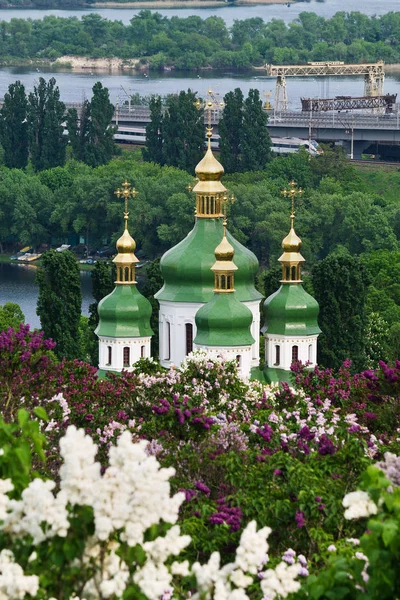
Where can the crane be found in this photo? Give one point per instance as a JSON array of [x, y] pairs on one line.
[[374, 76]]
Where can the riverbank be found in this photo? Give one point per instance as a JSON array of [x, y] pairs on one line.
[[185, 3], [6, 259]]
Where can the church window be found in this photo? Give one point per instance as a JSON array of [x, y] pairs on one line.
[[277, 355], [229, 284], [168, 352], [126, 277], [293, 274], [127, 356], [287, 274], [223, 282], [189, 337], [109, 355], [295, 353], [239, 361], [310, 353], [142, 351]]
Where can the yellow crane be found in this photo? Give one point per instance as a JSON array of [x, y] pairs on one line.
[[374, 76]]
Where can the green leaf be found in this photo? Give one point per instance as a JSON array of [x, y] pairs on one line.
[[390, 531], [41, 413]]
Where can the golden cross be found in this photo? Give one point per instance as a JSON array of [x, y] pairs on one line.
[[126, 192], [292, 192], [209, 105], [227, 200]]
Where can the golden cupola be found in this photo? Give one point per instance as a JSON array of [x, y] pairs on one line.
[[126, 260], [209, 189], [224, 267], [291, 259]]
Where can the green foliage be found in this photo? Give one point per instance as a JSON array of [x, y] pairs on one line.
[[45, 121], [255, 139], [11, 315], [152, 285], [91, 135], [59, 301], [103, 277], [183, 132], [153, 152], [14, 127], [340, 284], [230, 131], [22, 443]]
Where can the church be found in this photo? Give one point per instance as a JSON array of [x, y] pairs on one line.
[[209, 299]]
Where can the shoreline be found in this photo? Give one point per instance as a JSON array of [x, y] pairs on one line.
[[185, 3]]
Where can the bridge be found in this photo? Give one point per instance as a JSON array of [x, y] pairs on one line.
[[355, 131]]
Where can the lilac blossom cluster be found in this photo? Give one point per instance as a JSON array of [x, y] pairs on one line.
[[231, 515]]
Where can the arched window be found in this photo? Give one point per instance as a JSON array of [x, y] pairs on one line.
[[189, 337], [126, 277], [238, 360], [223, 282], [293, 273], [287, 275], [168, 340], [109, 355], [142, 351], [295, 353], [277, 355], [127, 356], [229, 282], [310, 360]]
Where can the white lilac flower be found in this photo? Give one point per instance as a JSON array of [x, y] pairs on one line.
[[281, 581], [13, 583], [331, 548], [358, 505]]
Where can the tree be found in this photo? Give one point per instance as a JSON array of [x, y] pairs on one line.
[[154, 133], [103, 277], [11, 315], [47, 141], [59, 302], [184, 132], [340, 283], [92, 136], [154, 282], [14, 128], [230, 131], [256, 142]]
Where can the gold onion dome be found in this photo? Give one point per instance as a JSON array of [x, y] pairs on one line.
[[126, 244], [209, 169], [224, 251], [292, 242]]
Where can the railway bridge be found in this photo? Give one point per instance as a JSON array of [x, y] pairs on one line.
[[355, 131]]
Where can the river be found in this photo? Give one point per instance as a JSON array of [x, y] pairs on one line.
[[17, 284], [228, 13]]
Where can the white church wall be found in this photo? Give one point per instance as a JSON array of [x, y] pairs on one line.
[[306, 350], [113, 348], [242, 355]]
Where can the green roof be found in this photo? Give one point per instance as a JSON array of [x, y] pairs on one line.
[[124, 313], [291, 311], [224, 321], [186, 268]]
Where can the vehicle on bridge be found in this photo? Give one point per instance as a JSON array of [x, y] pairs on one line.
[[289, 145], [137, 135]]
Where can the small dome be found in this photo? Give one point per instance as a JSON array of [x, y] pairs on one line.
[[291, 311], [124, 313], [224, 251], [126, 244], [224, 321], [292, 242]]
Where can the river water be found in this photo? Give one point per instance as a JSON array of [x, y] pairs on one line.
[[228, 13], [17, 284]]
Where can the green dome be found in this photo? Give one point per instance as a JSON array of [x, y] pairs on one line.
[[291, 311], [224, 321], [124, 313], [186, 268]]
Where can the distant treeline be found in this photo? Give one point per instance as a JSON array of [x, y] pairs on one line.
[[194, 43]]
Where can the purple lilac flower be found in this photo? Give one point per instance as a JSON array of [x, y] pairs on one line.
[[300, 519], [202, 488]]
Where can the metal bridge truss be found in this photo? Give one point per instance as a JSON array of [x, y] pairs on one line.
[[374, 76], [339, 103]]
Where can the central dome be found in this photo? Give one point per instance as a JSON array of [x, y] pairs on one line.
[[186, 268]]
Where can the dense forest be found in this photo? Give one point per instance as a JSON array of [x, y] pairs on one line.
[[194, 43]]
